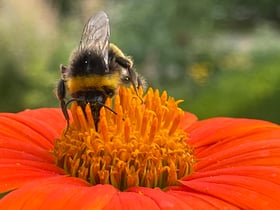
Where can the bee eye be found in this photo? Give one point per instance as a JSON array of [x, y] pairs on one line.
[[125, 79]]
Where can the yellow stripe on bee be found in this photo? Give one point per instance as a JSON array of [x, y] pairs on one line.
[[80, 83], [117, 51]]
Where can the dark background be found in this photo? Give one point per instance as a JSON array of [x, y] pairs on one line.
[[221, 57]]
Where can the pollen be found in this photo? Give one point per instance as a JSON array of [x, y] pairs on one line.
[[141, 145]]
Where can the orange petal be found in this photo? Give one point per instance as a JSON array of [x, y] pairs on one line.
[[17, 149], [188, 120], [51, 116], [21, 163], [271, 174], [226, 142], [210, 131], [25, 144], [201, 201], [241, 191], [72, 193], [131, 200], [39, 127], [162, 199], [259, 153]]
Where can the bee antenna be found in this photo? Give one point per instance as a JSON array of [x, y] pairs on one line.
[[110, 109], [107, 107]]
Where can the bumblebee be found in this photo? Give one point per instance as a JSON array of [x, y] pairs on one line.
[[97, 68]]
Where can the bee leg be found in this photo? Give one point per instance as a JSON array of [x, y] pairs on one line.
[[65, 113], [96, 124], [61, 93]]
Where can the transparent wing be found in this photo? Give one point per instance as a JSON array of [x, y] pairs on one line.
[[96, 35]]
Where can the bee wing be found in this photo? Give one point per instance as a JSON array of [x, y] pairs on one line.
[[96, 35]]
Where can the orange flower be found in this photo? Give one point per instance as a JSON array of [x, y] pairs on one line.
[[216, 163]]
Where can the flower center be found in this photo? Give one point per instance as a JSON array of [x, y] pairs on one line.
[[141, 145]]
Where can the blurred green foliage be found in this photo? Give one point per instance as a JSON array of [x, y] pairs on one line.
[[221, 57]]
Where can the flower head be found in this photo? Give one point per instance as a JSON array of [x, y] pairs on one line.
[[148, 156], [138, 146]]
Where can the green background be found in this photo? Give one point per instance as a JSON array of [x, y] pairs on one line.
[[221, 57]]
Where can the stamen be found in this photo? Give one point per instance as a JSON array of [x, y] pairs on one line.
[[142, 145]]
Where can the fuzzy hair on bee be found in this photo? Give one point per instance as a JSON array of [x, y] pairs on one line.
[[96, 70]]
